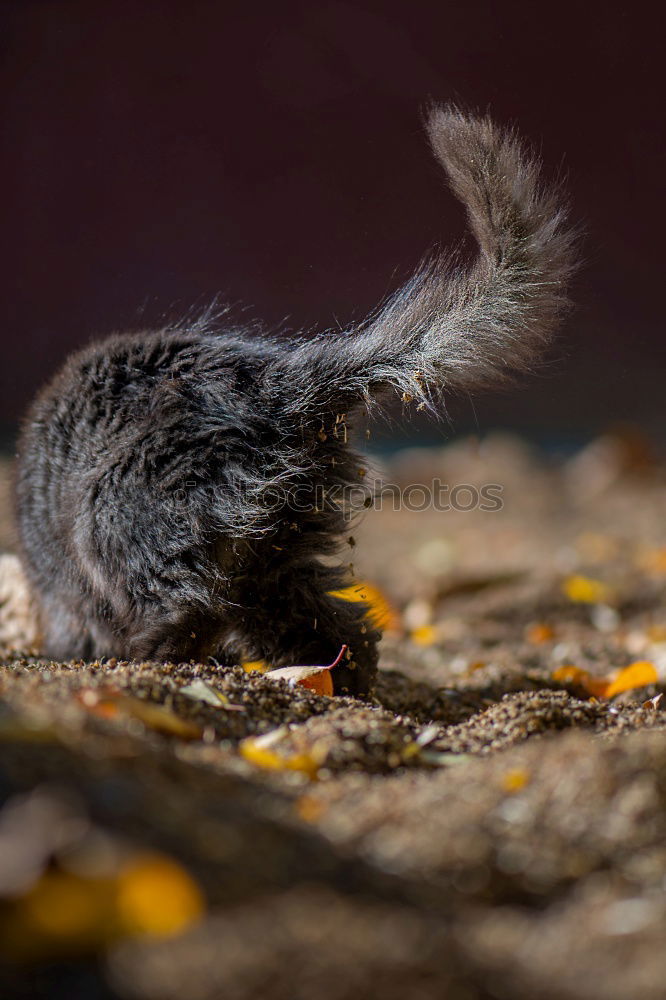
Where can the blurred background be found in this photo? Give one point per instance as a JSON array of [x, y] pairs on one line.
[[157, 154]]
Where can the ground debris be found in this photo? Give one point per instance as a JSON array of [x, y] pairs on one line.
[[490, 823]]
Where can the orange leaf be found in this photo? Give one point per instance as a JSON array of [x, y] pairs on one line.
[[320, 683], [156, 896], [596, 686], [317, 679], [636, 675], [539, 633], [309, 809]]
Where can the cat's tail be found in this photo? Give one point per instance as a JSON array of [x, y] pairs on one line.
[[451, 327]]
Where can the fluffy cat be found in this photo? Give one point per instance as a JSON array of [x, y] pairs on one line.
[[157, 472]]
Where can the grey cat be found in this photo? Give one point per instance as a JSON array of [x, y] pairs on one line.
[[157, 470]]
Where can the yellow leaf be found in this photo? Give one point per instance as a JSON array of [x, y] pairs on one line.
[[156, 896], [255, 665], [260, 751], [424, 635], [585, 590], [111, 703], [381, 614], [159, 718], [515, 780], [66, 911], [636, 675]]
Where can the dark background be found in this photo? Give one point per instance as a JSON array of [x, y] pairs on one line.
[[157, 153]]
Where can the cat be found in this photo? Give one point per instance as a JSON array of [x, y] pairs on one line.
[[157, 472]]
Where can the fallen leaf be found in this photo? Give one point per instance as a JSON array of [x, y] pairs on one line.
[[316, 678], [585, 590], [65, 913], [653, 561], [515, 780], [199, 690], [155, 896], [424, 635], [309, 809], [260, 751], [100, 701], [569, 674], [62, 913], [653, 703], [428, 734], [539, 632], [159, 718], [636, 675], [110, 703], [258, 666], [445, 758]]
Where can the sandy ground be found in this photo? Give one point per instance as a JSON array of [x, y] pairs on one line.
[[480, 828]]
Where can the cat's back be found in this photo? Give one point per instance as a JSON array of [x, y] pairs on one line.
[[111, 394]]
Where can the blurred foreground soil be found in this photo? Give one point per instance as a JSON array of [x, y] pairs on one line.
[[491, 824]]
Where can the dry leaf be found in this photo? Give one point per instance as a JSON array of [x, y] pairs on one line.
[[515, 780], [316, 678], [585, 590], [424, 635], [258, 666], [636, 675], [155, 896], [653, 561], [66, 914], [199, 690], [568, 674], [309, 809], [539, 632], [260, 751], [110, 703]]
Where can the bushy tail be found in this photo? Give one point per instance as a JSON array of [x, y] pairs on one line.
[[452, 328]]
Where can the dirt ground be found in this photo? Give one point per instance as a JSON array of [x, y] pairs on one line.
[[488, 825]]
